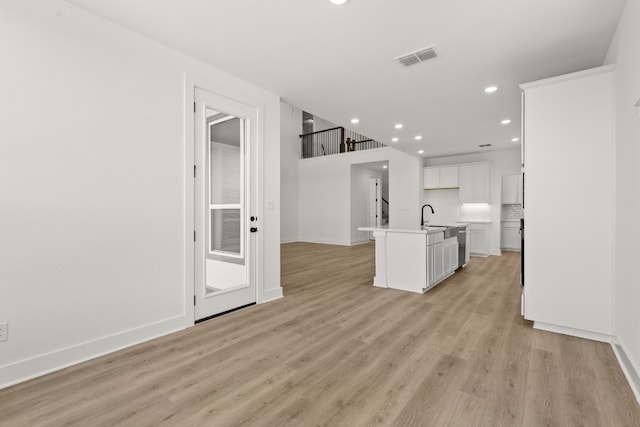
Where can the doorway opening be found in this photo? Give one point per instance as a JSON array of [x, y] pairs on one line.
[[369, 198]]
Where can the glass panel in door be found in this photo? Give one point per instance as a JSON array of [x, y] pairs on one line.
[[225, 267]]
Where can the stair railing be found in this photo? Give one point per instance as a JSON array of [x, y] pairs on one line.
[[333, 141]]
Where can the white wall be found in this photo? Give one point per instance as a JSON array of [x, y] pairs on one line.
[[92, 166], [291, 129], [446, 202], [322, 124], [625, 51], [325, 192]]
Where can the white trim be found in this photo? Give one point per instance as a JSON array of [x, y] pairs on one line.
[[326, 241], [262, 295], [380, 281], [33, 367], [255, 99], [628, 365], [189, 198], [595, 336], [292, 240], [271, 295], [614, 198], [360, 242], [570, 76]]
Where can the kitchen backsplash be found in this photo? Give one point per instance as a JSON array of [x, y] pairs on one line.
[[512, 212], [475, 212]]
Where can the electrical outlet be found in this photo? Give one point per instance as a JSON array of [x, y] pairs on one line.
[[4, 331]]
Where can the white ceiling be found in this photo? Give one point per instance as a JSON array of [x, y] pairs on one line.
[[337, 61]]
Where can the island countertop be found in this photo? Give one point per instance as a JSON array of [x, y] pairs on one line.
[[417, 230]]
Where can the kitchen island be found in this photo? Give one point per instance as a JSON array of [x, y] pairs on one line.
[[413, 260]]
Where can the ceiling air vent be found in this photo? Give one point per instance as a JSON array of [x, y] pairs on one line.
[[417, 56]]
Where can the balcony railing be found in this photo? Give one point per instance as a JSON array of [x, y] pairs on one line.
[[333, 141]]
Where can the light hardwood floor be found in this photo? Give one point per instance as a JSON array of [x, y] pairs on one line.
[[338, 352]]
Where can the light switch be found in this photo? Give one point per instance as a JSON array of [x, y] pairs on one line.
[[637, 105]]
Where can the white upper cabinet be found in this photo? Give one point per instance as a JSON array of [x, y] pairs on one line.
[[431, 178], [449, 177], [474, 183], [440, 177], [512, 189]]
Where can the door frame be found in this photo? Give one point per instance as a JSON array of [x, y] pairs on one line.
[[190, 85], [374, 180]]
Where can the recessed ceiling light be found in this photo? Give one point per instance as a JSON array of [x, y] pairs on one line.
[[354, 121], [384, 166], [490, 89], [420, 151], [338, 2], [394, 139], [515, 139], [398, 126], [506, 121], [417, 137]]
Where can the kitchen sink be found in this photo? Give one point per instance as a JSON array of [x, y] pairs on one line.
[[449, 231]]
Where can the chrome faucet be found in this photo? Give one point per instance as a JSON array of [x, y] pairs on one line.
[[422, 215]]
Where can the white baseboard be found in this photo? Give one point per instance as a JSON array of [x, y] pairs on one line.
[[326, 241], [380, 281], [628, 365], [359, 242], [23, 370], [595, 336], [283, 241], [271, 295]]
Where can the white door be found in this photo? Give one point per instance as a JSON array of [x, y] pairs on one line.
[[225, 132]]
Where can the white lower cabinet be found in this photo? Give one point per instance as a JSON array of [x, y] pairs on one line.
[[479, 239], [431, 277], [411, 260], [450, 255], [438, 261], [442, 260], [511, 235]]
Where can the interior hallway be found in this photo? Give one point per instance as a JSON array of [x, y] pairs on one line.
[[337, 351]]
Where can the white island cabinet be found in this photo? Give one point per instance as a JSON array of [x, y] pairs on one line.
[[413, 260]]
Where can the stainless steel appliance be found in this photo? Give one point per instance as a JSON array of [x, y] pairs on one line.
[[462, 246]]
